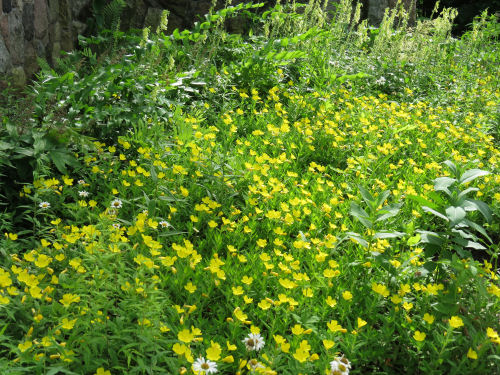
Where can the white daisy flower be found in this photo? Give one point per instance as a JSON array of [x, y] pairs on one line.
[[44, 205], [204, 366], [254, 341], [164, 224], [117, 203], [340, 366], [254, 365], [116, 225], [83, 193], [81, 182]]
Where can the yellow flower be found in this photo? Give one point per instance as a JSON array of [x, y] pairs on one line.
[[101, 371], [25, 346], [429, 318], [68, 324], [68, 299], [419, 336], [471, 354], [347, 295], [456, 322], [328, 344], [380, 289], [185, 336], [297, 329], [213, 353], [361, 323]]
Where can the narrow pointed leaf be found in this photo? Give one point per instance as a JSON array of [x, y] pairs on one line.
[[361, 215], [481, 207], [434, 212], [367, 197], [472, 174], [392, 234]]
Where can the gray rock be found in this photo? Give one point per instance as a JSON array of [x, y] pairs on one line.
[[28, 21], [15, 40], [53, 10], [5, 61], [79, 27], [41, 18], [17, 76], [30, 59], [56, 52], [6, 6], [77, 6], [40, 48], [153, 18]]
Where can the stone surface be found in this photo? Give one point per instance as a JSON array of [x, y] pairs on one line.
[[30, 59], [28, 20], [41, 18], [17, 76], [5, 61], [15, 41], [53, 10], [6, 6]]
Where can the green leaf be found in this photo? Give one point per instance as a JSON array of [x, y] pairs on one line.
[[367, 197], [443, 183], [472, 174], [422, 201], [391, 234], [388, 211], [357, 238], [452, 167], [284, 42], [455, 214], [430, 237], [361, 215], [481, 207], [434, 212], [414, 240]]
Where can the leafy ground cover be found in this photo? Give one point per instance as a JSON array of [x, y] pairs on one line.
[[260, 207]]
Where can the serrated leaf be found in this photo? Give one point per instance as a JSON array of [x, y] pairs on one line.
[[472, 174]]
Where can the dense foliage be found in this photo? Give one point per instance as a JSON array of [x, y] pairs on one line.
[[315, 197]]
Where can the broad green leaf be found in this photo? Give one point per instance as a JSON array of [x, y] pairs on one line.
[[413, 240], [472, 174], [422, 201], [361, 215], [452, 167], [388, 211], [434, 212], [382, 197], [357, 238], [392, 234], [367, 197], [455, 214], [443, 183], [430, 237], [478, 228], [481, 207]]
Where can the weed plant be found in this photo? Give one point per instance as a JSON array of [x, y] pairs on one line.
[[260, 203]]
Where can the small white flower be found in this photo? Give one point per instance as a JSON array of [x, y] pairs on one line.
[[340, 366], [81, 182], [380, 81], [254, 364], [83, 193], [44, 205], [116, 225], [117, 203], [254, 341], [164, 224], [204, 366]]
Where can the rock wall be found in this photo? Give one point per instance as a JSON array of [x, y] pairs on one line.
[[36, 28], [30, 29]]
